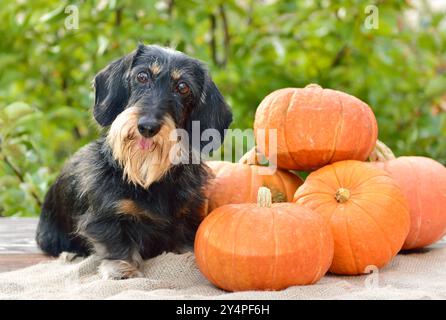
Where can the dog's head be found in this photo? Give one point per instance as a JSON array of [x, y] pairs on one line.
[[146, 94]]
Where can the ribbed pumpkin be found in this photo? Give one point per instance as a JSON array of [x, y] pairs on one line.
[[423, 182], [315, 127], [366, 209], [239, 183], [263, 246]]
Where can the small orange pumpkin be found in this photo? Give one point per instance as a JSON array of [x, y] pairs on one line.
[[263, 246], [367, 212], [239, 183], [315, 127], [423, 182]]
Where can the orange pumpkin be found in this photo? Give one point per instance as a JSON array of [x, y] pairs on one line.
[[367, 212], [315, 127], [263, 246], [423, 182], [238, 183]]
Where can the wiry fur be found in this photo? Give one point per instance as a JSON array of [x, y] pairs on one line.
[[127, 203], [141, 167]]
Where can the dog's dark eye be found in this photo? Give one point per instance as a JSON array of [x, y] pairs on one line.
[[142, 77], [183, 88]]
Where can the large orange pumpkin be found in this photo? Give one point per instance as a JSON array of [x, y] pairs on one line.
[[239, 183], [367, 212], [315, 127], [263, 246], [423, 182]]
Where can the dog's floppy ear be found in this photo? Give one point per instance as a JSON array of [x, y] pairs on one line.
[[112, 90], [212, 112]]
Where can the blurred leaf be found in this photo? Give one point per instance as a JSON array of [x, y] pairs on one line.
[[16, 110], [50, 15], [436, 86]]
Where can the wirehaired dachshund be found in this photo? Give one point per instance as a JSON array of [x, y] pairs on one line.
[[123, 197]]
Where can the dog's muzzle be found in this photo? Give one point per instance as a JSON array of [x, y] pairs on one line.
[[148, 127]]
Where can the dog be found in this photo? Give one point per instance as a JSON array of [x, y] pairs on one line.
[[121, 197]]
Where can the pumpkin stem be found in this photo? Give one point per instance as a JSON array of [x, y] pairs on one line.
[[254, 157], [342, 195], [381, 152], [313, 85], [250, 157], [264, 197]]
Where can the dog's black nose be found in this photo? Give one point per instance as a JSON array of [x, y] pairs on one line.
[[148, 128]]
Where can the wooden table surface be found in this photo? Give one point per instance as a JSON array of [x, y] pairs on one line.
[[17, 246]]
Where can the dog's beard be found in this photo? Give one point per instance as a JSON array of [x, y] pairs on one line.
[[143, 160]]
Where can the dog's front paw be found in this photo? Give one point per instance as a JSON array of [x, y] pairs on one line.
[[68, 256], [119, 269]]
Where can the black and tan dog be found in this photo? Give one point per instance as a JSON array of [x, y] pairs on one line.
[[121, 196]]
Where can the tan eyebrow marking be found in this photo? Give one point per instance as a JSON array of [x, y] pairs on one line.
[[176, 74], [155, 68]]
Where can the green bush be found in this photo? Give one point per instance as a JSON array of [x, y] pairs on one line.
[[252, 47]]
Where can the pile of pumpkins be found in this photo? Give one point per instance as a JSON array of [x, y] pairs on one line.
[[356, 210]]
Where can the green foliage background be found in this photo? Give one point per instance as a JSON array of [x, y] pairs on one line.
[[252, 48]]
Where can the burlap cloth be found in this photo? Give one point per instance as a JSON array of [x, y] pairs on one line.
[[419, 275]]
